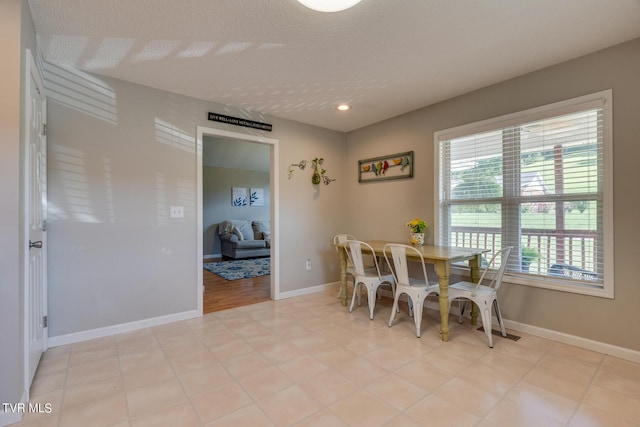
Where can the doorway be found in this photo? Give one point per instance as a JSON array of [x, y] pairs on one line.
[[221, 294], [239, 138]]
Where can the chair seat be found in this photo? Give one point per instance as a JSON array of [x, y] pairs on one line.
[[413, 282], [421, 284], [470, 287], [371, 273], [367, 269]]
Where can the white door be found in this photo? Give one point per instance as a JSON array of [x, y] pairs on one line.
[[36, 221]]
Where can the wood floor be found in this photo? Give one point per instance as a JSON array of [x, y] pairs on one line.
[[221, 294]]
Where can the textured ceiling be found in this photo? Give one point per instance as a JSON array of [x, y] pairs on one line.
[[385, 57]]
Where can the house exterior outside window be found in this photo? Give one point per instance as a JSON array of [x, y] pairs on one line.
[[539, 180]]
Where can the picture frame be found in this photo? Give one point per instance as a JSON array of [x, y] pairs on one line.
[[238, 196], [256, 197], [386, 168]]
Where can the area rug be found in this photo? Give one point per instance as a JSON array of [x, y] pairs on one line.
[[240, 269]]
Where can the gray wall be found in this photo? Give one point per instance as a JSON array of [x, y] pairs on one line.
[[120, 155], [115, 256], [216, 200], [16, 34], [618, 67]]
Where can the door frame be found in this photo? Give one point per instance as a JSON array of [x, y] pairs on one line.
[[201, 132], [31, 70]]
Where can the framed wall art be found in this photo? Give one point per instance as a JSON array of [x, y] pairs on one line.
[[256, 197], [394, 166], [238, 196]]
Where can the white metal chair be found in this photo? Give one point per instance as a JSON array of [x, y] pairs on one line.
[[484, 296], [415, 289], [370, 278], [339, 239]]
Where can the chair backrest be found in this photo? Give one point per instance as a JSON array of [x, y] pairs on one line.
[[400, 266], [342, 238], [354, 251], [503, 254]]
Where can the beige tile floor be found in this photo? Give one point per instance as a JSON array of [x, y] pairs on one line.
[[306, 361]]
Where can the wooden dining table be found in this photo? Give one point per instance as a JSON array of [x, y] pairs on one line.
[[441, 257]]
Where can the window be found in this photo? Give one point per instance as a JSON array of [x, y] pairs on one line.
[[538, 180]]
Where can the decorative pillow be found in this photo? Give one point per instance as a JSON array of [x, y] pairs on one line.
[[247, 231], [237, 233], [260, 228]]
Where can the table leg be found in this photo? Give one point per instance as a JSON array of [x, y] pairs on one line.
[[443, 269], [474, 263], [343, 276]]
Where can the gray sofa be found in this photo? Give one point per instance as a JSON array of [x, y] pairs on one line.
[[245, 239]]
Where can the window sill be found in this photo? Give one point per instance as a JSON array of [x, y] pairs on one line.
[[551, 283]]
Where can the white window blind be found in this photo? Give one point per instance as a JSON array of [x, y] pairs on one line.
[[534, 180]]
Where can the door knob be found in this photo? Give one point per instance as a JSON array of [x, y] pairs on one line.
[[37, 244]]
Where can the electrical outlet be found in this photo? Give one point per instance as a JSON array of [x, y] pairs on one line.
[[176, 212], [308, 264]]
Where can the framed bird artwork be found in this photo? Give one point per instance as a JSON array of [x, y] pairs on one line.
[[394, 166]]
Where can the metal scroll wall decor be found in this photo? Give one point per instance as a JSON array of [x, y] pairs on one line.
[[319, 174]]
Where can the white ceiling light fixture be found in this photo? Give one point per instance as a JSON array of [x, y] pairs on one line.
[[329, 5], [343, 107]]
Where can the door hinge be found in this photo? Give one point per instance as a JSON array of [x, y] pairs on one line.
[[45, 321], [44, 129]]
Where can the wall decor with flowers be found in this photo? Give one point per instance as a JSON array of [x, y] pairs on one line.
[[394, 166], [318, 175]]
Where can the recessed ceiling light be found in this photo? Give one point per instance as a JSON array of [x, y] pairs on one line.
[[343, 107], [329, 5]]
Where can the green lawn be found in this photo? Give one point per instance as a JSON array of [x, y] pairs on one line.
[[580, 177], [574, 220]]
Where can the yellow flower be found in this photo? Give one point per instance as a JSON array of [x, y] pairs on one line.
[[417, 225]]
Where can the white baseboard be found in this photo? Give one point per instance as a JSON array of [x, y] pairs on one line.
[[561, 337], [119, 329], [212, 256], [7, 418], [307, 291], [587, 344]]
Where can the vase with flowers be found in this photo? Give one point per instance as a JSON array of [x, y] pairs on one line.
[[417, 226]]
